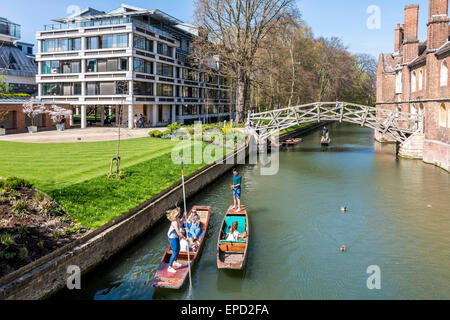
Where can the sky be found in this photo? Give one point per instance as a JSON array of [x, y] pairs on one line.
[[345, 19]]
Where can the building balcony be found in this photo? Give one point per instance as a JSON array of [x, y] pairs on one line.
[[90, 23], [10, 29]]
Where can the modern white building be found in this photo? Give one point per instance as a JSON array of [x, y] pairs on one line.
[[129, 59]]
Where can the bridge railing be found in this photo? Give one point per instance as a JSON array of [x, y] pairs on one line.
[[399, 125]]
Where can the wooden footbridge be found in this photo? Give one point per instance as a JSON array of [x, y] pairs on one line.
[[400, 126]]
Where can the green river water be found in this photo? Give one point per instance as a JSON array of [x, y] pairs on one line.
[[398, 219]]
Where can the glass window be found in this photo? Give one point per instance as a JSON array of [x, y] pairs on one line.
[[164, 90], [123, 64], [139, 65], [165, 50], [164, 70], [91, 65], [143, 88], [92, 43], [46, 67], [64, 44]]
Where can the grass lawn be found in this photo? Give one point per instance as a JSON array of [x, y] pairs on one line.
[[75, 174], [53, 166]]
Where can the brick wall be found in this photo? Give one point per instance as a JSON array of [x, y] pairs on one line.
[[21, 121]]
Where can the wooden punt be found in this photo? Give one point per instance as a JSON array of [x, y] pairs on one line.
[[232, 255], [325, 142], [165, 279], [291, 142]]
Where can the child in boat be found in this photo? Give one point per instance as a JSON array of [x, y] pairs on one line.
[[186, 243], [234, 235]]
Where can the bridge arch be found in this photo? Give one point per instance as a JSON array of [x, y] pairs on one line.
[[401, 126]]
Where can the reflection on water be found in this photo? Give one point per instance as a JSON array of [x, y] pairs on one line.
[[398, 219]]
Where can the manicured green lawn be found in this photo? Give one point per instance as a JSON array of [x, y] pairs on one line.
[[55, 165], [75, 174]]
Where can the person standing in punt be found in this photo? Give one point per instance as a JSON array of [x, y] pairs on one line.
[[174, 234], [237, 190]]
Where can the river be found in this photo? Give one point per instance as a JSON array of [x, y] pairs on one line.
[[398, 219]]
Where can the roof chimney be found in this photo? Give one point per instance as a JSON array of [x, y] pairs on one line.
[[411, 22], [398, 38], [438, 7], [438, 28]]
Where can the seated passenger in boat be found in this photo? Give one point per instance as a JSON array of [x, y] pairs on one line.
[[195, 227], [234, 235], [188, 243]]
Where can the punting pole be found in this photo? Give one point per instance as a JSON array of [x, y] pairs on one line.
[[185, 217]]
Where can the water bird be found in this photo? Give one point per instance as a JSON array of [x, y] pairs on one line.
[[344, 209], [343, 249]]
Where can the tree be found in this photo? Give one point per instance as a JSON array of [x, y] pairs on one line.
[[231, 31], [32, 109], [56, 113]]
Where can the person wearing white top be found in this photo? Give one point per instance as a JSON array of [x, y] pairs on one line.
[[234, 235]]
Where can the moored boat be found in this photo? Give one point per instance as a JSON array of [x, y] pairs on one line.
[[326, 142], [165, 279], [291, 142], [233, 254]]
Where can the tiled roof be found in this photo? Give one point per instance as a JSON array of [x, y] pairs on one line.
[[13, 100]]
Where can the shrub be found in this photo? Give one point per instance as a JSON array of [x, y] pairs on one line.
[[7, 240], [155, 134], [7, 255], [23, 230], [17, 183], [20, 206], [2, 183], [39, 196], [23, 252], [173, 127]]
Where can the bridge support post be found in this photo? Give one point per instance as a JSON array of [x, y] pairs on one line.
[[413, 147]]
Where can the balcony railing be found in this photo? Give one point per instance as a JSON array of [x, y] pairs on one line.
[[90, 23], [9, 28]]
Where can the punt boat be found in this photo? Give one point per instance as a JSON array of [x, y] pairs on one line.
[[232, 255], [165, 279]]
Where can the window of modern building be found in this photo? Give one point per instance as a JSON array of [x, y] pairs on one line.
[[109, 41], [91, 65], [105, 88], [420, 80], [165, 50], [143, 66], [189, 92], [123, 64], [61, 89], [64, 44], [164, 90], [143, 88], [143, 43], [189, 109], [442, 115], [444, 74], [107, 65], [190, 75], [413, 82], [164, 70], [66, 66], [398, 82]]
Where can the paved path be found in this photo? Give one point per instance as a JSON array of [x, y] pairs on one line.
[[73, 135]]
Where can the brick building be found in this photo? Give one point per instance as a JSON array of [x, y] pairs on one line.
[[17, 122], [415, 79]]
